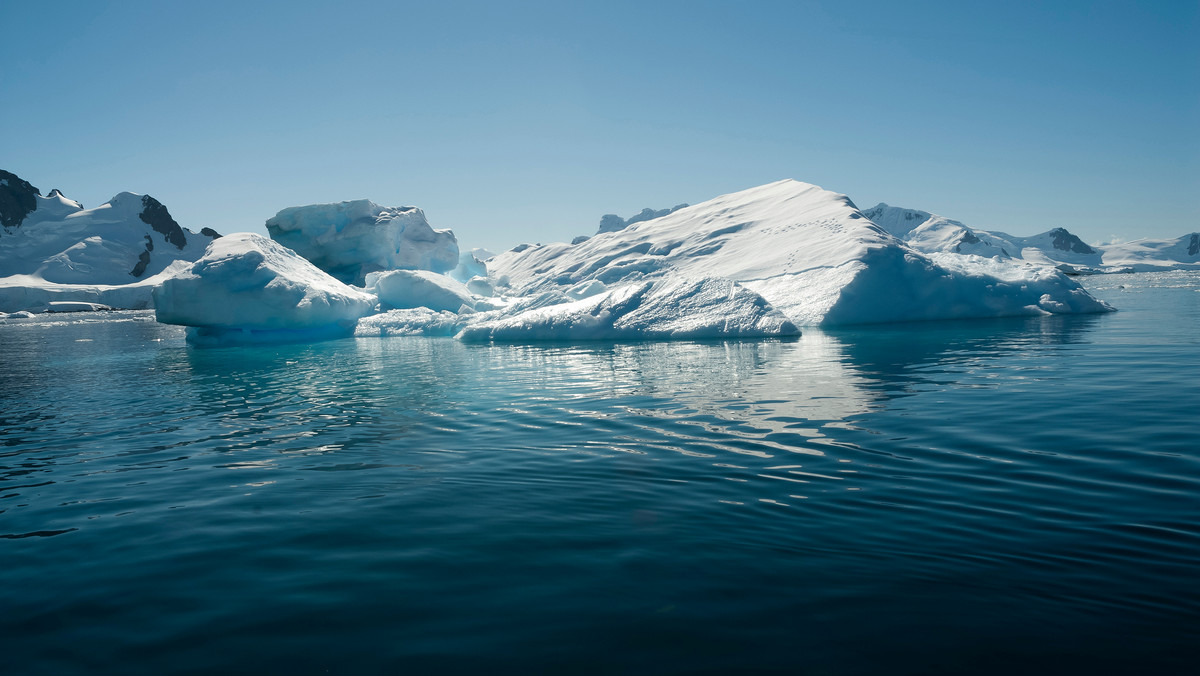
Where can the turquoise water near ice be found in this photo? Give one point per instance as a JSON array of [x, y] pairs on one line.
[[959, 497]]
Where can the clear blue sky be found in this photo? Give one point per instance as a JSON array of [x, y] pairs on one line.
[[517, 121]]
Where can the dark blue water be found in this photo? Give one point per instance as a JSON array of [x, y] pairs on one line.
[[964, 497]]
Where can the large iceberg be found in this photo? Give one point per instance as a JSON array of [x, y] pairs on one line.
[[249, 288], [809, 252], [54, 250], [351, 239]]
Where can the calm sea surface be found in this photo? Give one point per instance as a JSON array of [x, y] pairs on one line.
[[967, 497]]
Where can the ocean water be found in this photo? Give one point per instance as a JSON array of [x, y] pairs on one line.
[[1002, 496]]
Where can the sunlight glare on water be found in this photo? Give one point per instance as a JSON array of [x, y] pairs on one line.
[[962, 496]]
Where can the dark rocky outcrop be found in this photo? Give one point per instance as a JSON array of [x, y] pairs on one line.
[[1065, 241], [159, 219], [1194, 245], [18, 198], [209, 232], [143, 258]]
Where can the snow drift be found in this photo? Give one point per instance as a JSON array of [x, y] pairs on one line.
[[248, 287], [809, 252], [351, 239]]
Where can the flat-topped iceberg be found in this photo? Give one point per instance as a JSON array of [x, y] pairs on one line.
[[351, 239], [249, 288], [809, 252]]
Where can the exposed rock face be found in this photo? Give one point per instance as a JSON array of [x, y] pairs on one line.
[[143, 258], [1194, 245], [17, 199], [1065, 241], [209, 232], [157, 217]]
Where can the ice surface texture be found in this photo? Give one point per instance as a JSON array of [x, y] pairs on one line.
[[669, 308], [248, 283], [809, 252], [351, 239], [400, 289]]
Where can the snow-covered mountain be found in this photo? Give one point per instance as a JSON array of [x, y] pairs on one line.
[[809, 252], [52, 249], [931, 233]]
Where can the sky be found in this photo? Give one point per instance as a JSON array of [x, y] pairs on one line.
[[513, 122]]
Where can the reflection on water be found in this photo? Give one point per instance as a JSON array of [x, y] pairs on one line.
[[854, 501]]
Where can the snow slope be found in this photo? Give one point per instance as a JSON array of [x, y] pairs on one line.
[[112, 254], [351, 239], [1148, 255], [809, 252]]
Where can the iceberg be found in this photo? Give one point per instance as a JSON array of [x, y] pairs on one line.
[[402, 289], [808, 252], [671, 308], [247, 288], [348, 240]]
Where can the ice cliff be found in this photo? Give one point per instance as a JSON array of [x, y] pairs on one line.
[[351, 239]]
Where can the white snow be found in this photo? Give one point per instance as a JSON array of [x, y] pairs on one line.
[[248, 287], [62, 252], [1056, 247], [351, 239], [807, 251], [668, 308], [1148, 255], [402, 289]]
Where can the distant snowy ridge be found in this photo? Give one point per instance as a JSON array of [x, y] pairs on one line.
[[809, 252], [930, 233], [54, 250]]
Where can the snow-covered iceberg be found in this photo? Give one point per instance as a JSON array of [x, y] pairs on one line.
[[402, 289], [247, 288], [809, 252], [670, 308], [351, 239], [54, 250]]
